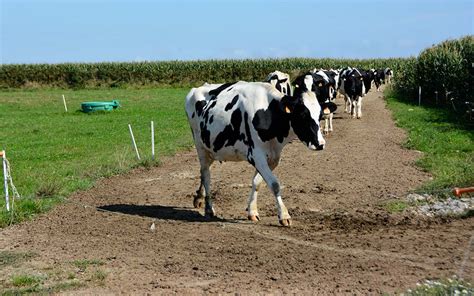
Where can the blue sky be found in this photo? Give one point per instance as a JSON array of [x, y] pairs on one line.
[[53, 31]]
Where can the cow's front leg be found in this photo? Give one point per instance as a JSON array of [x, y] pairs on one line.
[[330, 121], [252, 209], [263, 168], [359, 108], [326, 125], [347, 105], [354, 108]]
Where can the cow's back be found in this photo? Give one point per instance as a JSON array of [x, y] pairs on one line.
[[221, 116]]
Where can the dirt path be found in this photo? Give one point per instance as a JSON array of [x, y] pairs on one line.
[[342, 239]]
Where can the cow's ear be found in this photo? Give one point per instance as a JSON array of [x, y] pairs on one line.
[[287, 104]]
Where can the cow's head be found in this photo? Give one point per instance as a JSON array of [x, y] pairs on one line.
[[354, 85], [304, 112], [281, 81]]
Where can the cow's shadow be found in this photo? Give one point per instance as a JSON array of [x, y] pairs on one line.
[[160, 212]]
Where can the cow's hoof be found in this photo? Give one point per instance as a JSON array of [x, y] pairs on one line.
[[359, 117], [285, 222], [198, 202], [253, 218], [210, 213]]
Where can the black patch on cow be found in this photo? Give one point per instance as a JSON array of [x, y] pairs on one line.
[[248, 140], [230, 88], [232, 103], [271, 123], [205, 135], [330, 105], [194, 114], [231, 133], [199, 106], [353, 87], [217, 91], [278, 87], [248, 134], [205, 115], [211, 119], [250, 160]]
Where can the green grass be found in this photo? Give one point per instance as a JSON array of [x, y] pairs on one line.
[[396, 206], [447, 145], [8, 258], [53, 153], [82, 264], [23, 280]]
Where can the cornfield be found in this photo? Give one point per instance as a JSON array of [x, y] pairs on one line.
[[174, 73], [445, 69]]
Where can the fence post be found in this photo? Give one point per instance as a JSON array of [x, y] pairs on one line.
[[133, 141], [64, 101], [152, 140], [419, 95], [5, 179]]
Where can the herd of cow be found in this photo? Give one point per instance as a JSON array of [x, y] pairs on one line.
[[253, 121]]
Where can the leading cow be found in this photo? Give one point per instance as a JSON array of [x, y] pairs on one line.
[[250, 121]]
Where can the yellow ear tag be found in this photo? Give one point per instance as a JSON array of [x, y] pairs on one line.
[[326, 111], [287, 110]]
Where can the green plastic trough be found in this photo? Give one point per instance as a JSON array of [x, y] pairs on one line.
[[99, 106]]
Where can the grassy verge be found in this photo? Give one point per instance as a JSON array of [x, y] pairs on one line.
[[53, 153], [19, 276], [447, 145]]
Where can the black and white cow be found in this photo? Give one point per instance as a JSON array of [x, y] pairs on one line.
[[388, 75], [325, 91], [334, 75], [343, 73], [251, 121], [382, 76], [354, 89], [281, 81], [368, 76], [379, 78]]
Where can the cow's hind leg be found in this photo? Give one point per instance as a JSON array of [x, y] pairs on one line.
[[205, 187], [252, 209]]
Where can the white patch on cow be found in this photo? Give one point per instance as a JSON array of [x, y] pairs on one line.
[[322, 74], [357, 70], [308, 81]]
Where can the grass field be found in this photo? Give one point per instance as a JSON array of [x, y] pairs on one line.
[[447, 144], [53, 153]]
